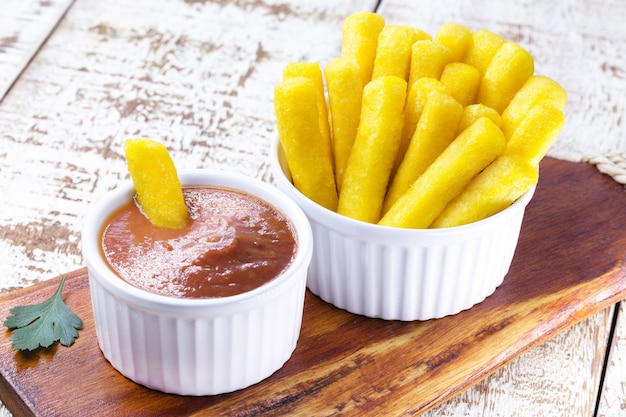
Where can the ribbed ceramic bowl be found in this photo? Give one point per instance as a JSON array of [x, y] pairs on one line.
[[198, 346], [404, 274]]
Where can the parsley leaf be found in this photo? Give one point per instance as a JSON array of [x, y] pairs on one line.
[[44, 323]]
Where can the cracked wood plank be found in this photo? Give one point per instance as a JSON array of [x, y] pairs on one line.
[[24, 27]]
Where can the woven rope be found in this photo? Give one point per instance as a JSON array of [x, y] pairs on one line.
[[611, 164]]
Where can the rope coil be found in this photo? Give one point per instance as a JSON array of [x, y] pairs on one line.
[[613, 165]]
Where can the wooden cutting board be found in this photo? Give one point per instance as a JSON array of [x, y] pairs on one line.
[[570, 263]]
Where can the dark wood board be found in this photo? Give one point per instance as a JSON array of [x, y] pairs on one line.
[[570, 263]]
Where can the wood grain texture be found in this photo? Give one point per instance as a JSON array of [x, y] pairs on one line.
[[347, 364], [24, 26], [557, 378]]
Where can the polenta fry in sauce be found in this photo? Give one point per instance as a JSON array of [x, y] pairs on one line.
[[156, 182]]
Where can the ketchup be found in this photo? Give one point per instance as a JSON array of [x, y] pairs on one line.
[[234, 242]]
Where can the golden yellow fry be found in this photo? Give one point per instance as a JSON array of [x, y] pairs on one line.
[[393, 54], [435, 130], [538, 89], [507, 72], [156, 182], [462, 80], [420, 35], [344, 94], [308, 155], [360, 39], [482, 47], [415, 101], [313, 71], [428, 58], [378, 137], [473, 112], [497, 187], [445, 178], [456, 38], [536, 133]]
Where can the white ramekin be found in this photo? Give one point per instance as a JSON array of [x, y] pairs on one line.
[[198, 346], [404, 274]]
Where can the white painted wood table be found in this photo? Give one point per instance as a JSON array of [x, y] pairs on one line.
[[78, 77]]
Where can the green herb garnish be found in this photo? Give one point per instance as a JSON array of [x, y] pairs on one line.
[[44, 323]]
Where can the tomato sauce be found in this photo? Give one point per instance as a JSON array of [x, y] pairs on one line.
[[234, 242]]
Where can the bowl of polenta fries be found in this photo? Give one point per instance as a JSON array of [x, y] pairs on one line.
[[414, 158]]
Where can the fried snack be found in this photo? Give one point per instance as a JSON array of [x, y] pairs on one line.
[[445, 178], [482, 47], [474, 112], [420, 35], [378, 137], [156, 182], [344, 95], [462, 80], [538, 89], [536, 133], [393, 54], [428, 58], [313, 71], [497, 187], [456, 38], [435, 130], [507, 72], [360, 33], [415, 101], [308, 154]]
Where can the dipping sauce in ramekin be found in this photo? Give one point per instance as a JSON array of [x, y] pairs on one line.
[[234, 242], [199, 346]]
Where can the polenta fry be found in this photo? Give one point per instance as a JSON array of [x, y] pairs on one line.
[[308, 155], [393, 54], [313, 71], [507, 72], [156, 182], [428, 58], [474, 112], [374, 151], [360, 39], [415, 101], [456, 38], [462, 80], [445, 178], [498, 186], [536, 133], [434, 132], [344, 95], [482, 47], [538, 89]]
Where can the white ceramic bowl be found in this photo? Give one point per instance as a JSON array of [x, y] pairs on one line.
[[404, 274], [198, 346]]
